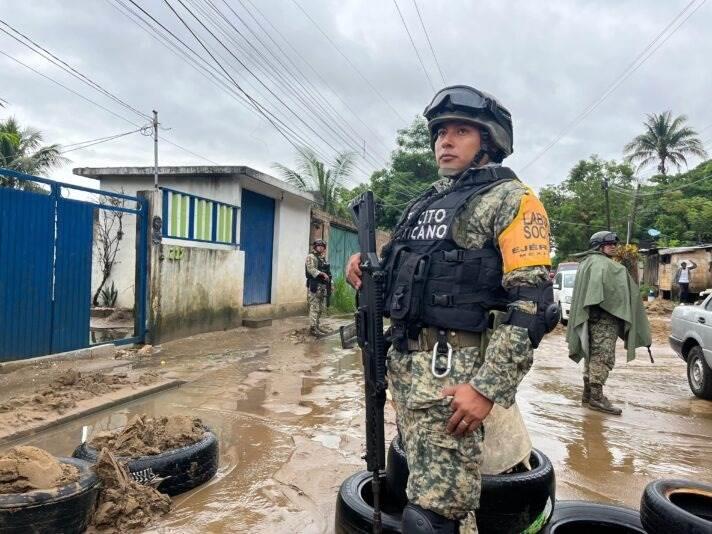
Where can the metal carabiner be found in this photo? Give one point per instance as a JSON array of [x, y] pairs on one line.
[[435, 357]]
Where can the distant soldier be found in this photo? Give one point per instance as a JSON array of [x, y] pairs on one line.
[[318, 279], [605, 305]]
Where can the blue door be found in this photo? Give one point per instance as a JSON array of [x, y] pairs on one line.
[[26, 253], [256, 239]]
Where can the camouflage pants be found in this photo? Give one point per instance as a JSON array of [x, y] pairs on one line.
[[603, 334], [444, 470], [317, 305]]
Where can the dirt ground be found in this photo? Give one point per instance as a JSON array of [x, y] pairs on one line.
[[288, 412]]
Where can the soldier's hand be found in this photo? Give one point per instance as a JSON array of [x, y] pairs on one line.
[[353, 271], [470, 408], [324, 276]]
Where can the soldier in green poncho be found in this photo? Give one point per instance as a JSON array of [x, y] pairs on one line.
[[605, 305]]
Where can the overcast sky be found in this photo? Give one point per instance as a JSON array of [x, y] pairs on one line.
[[546, 61]]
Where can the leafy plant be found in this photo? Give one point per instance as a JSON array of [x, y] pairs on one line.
[[109, 296], [343, 297]]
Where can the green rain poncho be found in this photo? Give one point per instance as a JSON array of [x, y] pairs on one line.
[[603, 282]]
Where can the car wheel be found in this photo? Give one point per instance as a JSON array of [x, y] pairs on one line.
[[587, 517], [183, 468], [563, 321], [699, 374], [677, 506], [67, 509], [512, 502]]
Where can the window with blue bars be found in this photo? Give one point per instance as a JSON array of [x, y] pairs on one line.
[[195, 218]]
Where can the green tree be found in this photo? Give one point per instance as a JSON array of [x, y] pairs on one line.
[[313, 175], [666, 140], [411, 171], [21, 150], [577, 208]]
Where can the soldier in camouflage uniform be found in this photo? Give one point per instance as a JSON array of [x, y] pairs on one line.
[[603, 331], [484, 239], [317, 281]]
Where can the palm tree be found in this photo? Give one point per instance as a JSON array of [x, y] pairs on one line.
[[665, 140], [21, 150], [312, 175]]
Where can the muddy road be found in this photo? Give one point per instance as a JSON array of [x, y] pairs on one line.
[[289, 416]]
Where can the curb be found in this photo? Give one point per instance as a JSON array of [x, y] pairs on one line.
[[5, 440], [108, 349]]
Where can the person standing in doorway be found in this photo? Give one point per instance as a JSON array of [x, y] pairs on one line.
[[682, 277]]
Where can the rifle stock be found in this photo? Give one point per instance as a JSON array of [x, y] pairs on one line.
[[369, 333]]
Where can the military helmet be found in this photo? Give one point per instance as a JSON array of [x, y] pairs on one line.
[[318, 243], [467, 104], [601, 238]]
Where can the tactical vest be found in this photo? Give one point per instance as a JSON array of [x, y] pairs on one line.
[[321, 264], [430, 279]]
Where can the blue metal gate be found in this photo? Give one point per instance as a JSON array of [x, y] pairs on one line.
[[46, 245], [256, 239]]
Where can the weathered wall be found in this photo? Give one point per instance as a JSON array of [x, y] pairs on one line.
[[199, 290], [321, 225]]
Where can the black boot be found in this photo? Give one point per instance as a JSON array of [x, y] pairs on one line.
[[586, 396], [417, 520], [600, 402]]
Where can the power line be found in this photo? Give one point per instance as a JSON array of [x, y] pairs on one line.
[[314, 71], [91, 142], [627, 72], [66, 67], [351, 64], [412, 43], [430, 45]]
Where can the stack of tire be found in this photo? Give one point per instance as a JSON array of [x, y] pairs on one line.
[[526, 502], [69, 509]]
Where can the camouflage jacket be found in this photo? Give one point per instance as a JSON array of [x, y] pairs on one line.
[[312, 265], [509, 354]]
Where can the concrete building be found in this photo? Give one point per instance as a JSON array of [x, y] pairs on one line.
[[227, 243]]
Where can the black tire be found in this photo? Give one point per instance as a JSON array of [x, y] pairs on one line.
[[354, 507], [677, 506], [699, 374], [508, 503], [579, 517], [184, 468], [65, 510]]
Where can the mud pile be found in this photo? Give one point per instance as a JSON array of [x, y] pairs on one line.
[[70, 387], [24, 469], [660, 307], [145, 436], [124, 504]]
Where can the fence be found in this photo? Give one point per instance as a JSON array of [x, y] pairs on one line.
[[195, 218]]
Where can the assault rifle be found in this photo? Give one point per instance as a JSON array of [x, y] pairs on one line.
[[326, 268], [369, 333]]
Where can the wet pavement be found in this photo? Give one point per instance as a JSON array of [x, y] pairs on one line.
[[289, 417]]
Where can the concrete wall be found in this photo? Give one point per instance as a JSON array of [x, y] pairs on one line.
[[181, 301], [196, 290]]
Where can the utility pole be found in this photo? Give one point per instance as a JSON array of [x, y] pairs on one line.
[[155, 149], [604, 185], [631, 220]]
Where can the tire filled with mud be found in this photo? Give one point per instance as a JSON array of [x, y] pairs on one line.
[[183, 468], [511, 502], [65, 509]]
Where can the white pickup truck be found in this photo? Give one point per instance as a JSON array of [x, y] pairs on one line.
[[691, 339]]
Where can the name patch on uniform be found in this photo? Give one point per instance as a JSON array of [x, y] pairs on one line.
[[525, 242], [430, 225]]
